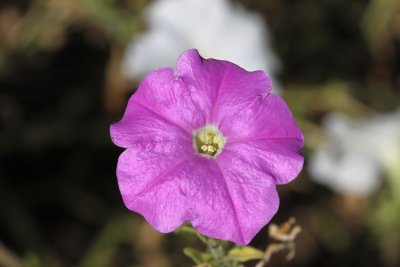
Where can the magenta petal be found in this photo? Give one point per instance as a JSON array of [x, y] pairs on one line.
[[203, 77], [280, 159], [150, 186], [230, 196], [252, 194], [147, 179], [191, 189], [239, 91], [141, 164], [227, 203], [267, 117], [140, 124], [168, 96], [212, 211], [214, 82]]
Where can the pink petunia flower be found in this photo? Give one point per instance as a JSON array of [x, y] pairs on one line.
[[207, 143]]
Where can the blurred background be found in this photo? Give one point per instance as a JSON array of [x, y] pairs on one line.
[[68, 67]]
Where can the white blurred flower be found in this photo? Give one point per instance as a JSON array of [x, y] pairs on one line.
[[357, 153], [216, 28]]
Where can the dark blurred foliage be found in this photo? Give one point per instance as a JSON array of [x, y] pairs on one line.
[[320, 41], [60, 88]]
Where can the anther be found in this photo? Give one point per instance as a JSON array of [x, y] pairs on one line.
[[208, 141]]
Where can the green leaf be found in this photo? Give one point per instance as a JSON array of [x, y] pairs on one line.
[[243, 254], [197, 256], [186, 229]]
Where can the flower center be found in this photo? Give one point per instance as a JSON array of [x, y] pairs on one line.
[[208, 141]]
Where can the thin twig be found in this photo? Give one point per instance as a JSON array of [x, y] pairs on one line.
[[286, 233]]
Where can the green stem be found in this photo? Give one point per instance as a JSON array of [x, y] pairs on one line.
[[214, 246], [217, 252]]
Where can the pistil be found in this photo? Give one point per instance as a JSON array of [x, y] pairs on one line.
[[208, 141]]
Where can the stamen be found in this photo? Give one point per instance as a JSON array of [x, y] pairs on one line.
[[208, 141], [211, 148]]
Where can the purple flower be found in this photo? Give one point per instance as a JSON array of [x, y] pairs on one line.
[[206, 143]]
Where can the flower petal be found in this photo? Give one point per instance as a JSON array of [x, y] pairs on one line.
[[186, 190], [230, 203], [258, 117], [146, 178], [140, 124], [252, 192], [225, 84], [211, 208], [141, 164], [202, 77], [175, 98], [149, 187], [277, 158], [231, 196]]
